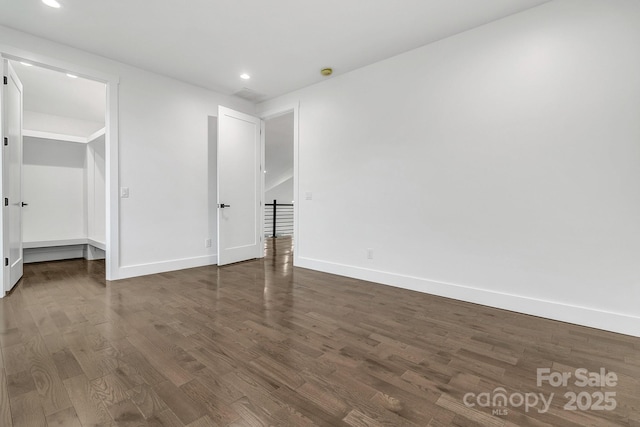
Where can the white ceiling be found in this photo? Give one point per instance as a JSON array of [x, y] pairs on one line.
[[283, 44], [52, 92]]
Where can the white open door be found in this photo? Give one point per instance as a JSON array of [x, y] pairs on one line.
[[239, 187], [12, 176]]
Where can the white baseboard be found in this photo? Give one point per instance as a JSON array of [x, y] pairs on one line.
[[97, 244], [57, 250], [92, 252], [584, 316], [128, 271], [58, 253]]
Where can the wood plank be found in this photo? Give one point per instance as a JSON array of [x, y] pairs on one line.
[[169, 368], [277, 372], [212, 360], [257, 390], [356, 418], [64, 418], [50, 388], [92, 364], [10, 337], [5, 412], [218, 389], [324, 399], [251, 415], [55, 342], [185, 408], [134, 369], [20, 383], [205, 421], [165, 418], [109, 389], [297, 409], [89, 408], [15, 359], [26, 411], [469, 413], [126, 414], [147, 400], [66, 364], [219, 412]]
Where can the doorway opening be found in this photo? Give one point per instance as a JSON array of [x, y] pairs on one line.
[[279, 181], [65, 149], [63, 167]]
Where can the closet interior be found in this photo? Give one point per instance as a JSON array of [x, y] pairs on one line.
[[63, 167]]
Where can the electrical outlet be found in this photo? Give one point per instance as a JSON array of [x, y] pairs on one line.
[[207, 243], [369, 253]]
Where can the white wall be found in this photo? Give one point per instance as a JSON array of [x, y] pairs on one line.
[[500, 166], [59, 124], [282, 192], [54, 187], [64, 186], [278, 158], [163, 159], [95, 185]]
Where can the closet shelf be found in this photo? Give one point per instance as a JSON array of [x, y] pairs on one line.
[[63, 242], [63, 137]]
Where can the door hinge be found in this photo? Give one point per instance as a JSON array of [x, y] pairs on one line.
[[6, 201], [6, 141], [6, 262], [6, 81]]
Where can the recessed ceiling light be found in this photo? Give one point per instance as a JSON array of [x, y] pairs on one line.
[[73, 76], [245, 76], [52, 3], [26, 64]]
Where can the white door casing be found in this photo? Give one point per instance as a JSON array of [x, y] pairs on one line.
[[239, 187], [12, 176]]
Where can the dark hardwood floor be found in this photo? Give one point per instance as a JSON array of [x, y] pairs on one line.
[[261, 343]]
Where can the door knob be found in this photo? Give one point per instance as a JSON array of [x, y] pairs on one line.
[[222, 205], [24, 204]]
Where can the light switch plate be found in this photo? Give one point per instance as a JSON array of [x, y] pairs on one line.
[[124, 192]]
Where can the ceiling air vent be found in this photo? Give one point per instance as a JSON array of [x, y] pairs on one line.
[[249, 94]]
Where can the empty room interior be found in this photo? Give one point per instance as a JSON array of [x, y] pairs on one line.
[[362, 213]]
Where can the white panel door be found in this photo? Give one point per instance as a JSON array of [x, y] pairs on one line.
[[12, 175], [239, 187]]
